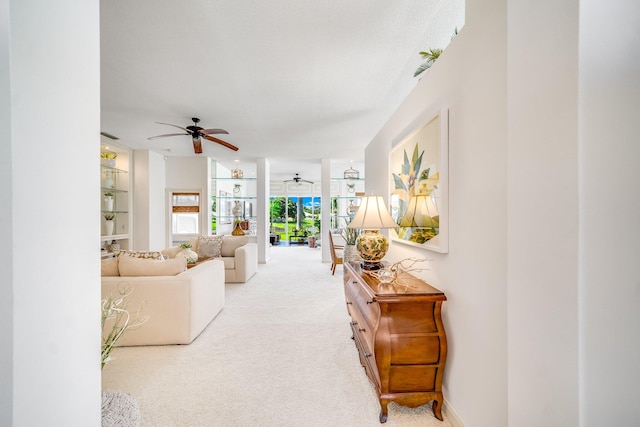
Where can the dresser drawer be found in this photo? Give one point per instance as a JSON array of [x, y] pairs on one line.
[[363, 302], [362, 327]]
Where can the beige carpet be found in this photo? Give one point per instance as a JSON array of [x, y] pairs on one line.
[[279, 354]]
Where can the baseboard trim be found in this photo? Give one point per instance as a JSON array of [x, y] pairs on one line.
[[451, 415]]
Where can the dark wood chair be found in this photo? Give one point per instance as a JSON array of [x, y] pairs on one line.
[[335, 258]]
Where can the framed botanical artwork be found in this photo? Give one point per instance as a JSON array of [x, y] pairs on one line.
[[419, 186]]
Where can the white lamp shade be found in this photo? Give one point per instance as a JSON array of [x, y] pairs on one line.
[[422, 212], [372, 215]]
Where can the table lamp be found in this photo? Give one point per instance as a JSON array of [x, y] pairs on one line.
[[371, 217]]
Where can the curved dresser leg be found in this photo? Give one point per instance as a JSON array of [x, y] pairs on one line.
[[437, 409], [383, 411]]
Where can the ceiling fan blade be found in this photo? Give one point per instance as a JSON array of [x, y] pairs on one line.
[[168, 134], [221, 142], [175, 126], [197, 145], [213, 131]]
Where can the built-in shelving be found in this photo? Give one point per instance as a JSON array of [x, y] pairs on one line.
[[115, 196], [345, 200]]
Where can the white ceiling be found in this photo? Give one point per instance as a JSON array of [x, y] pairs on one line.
[[292, 81]]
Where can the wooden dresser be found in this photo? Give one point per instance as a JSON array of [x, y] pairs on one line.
[[399, 334]]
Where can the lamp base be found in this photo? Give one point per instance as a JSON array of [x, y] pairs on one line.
[[366, 265]]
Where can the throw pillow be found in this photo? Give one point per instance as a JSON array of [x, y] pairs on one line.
[[131, 266], [139, 254], [231, 243], [171, 252], [110, 267], [209, 246]]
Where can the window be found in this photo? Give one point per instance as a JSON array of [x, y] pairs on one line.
[[185, 213]]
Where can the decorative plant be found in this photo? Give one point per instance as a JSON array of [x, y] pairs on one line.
[[115, 308], [109, 216], [350, 235], [108, 155], [186, 245], [430, 57]]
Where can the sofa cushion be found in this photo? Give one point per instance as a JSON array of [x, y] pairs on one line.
[[139, 254], [109, 267], [171, 252], [131, 266], [231, 243], [229, 262], [209, 246]]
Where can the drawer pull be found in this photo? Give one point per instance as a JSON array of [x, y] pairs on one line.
[[349, 303], [354, 323], [369, 302], [362, 330], [368, 355]]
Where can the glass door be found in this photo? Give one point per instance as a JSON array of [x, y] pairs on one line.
[[295, 220]]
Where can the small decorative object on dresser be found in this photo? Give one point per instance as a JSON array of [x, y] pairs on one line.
[[400, 337]]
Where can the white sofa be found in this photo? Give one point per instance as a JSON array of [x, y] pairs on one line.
[[179, 307], [240, 257]]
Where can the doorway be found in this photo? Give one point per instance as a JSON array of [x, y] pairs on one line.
[[294, 220]]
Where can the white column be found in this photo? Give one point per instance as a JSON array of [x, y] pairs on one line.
[[263, 172], [54, 234], [325, 216]]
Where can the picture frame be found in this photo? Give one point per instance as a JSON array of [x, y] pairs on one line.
[[419, 184], [224, 208]]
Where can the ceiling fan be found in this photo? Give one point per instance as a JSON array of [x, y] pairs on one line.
[[196, 132], [298, 180]]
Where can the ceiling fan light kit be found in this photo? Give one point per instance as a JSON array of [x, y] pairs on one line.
[[196, 132], [298, 180]]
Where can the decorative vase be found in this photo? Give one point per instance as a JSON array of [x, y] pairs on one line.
[[114, 246], [107, 182], [351, 254], [108, 204], [109, 229], [237, 231], [237, 208], [190, 255]]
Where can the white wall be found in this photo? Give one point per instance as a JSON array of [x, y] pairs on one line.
[[469, 80], [542, 288], [6, 219], [190, 173], [609, 212], [54, 139], [542, 207], [149, 203]]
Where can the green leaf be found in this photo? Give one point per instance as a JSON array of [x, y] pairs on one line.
[[406, 166], [399, 183], [425, 66]]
